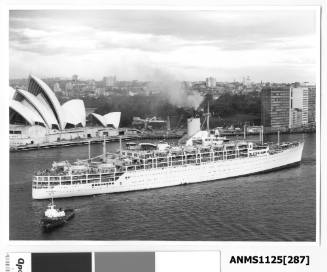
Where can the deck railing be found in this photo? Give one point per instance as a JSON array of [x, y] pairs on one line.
[[144, 164], [172, 160]]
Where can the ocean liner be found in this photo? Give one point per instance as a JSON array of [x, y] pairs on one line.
[[205, 156]]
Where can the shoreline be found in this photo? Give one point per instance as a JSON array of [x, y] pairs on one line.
[[153, 136]]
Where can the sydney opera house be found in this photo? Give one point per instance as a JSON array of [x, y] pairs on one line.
[[36, 116]]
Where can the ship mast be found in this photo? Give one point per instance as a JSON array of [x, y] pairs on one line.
[[208, 114], [104, 148], [120, 145], [89, 149]]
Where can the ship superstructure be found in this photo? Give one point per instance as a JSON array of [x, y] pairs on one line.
[[207, 156]]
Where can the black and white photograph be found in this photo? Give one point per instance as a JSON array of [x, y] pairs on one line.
[[163, 124]]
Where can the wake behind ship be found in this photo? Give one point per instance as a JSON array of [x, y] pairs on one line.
[[206, 156]]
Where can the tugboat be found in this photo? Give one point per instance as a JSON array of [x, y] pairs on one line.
[[54, 218]]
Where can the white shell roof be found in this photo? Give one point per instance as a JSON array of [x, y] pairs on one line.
[[74, 112], [28, 114], [111, 118], [11, 93], [44, 111], [99, 118], [53, 99]]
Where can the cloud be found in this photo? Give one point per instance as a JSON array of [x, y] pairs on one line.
[[196, 25], [177, 41], [74, 40]]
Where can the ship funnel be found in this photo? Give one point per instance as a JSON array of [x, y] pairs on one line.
[[193, 126]]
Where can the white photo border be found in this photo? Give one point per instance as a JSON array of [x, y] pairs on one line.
[[73, 245]]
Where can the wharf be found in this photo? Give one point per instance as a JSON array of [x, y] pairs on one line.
[[78, 142], [288, 131], [75, 142]]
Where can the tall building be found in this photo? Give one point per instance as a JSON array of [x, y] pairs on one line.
[[296, 118], [275, 107], [247, 82], [312, 104], [109, 81], [75, 78], [288, 106], [211, 82], [299, 96], [56, 88], [68, 88]]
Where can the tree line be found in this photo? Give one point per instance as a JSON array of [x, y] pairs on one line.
[[226, 107]]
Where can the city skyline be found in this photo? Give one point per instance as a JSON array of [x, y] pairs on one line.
[[268, 45]]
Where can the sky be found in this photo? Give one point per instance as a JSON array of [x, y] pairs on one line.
[[267, 45]]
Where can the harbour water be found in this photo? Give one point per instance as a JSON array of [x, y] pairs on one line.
[[275, 206]]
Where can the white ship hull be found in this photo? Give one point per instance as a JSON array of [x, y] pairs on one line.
[[177, 175]]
